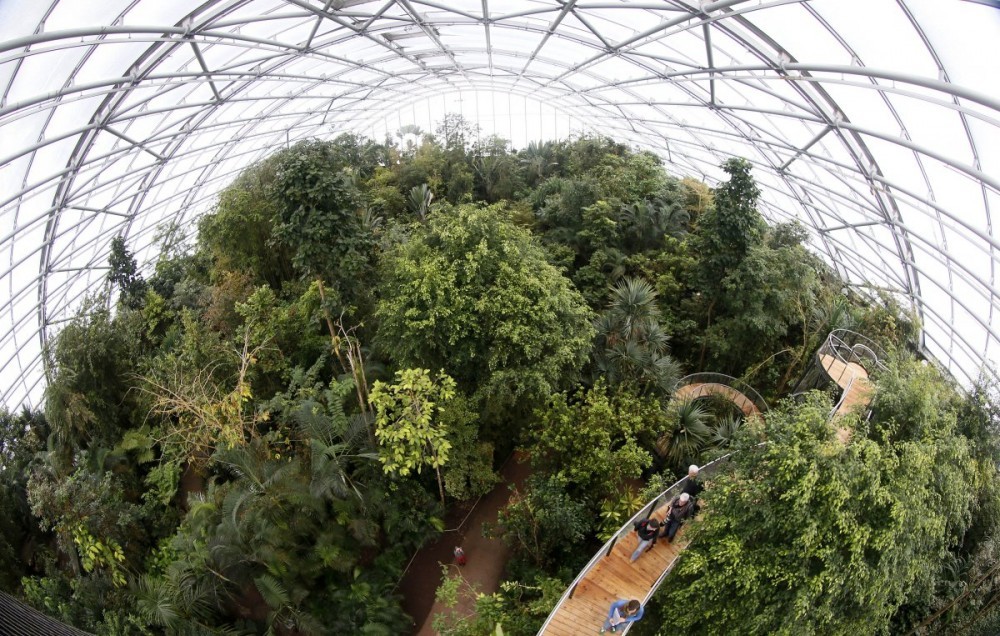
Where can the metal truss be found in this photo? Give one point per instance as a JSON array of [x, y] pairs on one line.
[[873, 125]]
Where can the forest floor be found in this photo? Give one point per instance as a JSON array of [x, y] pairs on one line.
[[486, 557]]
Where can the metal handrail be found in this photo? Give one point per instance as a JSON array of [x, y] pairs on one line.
[[857, 347], [850, 347], [626, 529], [708, 377], [857, 344]]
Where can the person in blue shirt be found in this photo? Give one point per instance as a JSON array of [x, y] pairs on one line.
[[622, 613]]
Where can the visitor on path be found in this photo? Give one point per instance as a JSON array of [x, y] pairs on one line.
[[459, 556], [647, 530], [680, 509], [693, 485], [622, 613]]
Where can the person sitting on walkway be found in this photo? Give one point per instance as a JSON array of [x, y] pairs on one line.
[[647, 530], [680, 509], [622, 613]]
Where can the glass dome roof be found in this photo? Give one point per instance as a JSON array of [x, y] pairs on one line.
[[876, 123]]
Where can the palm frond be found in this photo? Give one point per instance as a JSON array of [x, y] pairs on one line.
[[154, 601], [273, 592], [691, 431], [311, 419], [725, 430]]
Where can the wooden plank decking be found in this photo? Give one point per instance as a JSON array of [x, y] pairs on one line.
[[613, 578], [859, 392], [705, 389]]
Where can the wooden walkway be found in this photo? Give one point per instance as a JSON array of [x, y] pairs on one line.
[[859, 392], [695, 391], [613, 578]]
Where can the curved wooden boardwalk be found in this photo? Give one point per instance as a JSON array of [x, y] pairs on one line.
[[859, 392], [613, 578], [853, 379], [706, 389]]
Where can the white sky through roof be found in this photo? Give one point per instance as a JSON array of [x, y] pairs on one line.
[[874, 122]]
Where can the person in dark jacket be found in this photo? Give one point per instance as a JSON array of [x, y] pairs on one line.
[[693, 487], [647, 530], [680, 509]]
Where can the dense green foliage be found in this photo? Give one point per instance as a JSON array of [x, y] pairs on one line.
[[473, 294], [596, 441], [808, 535], [256, 437]]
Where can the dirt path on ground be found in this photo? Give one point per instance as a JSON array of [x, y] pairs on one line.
[[486, 557]]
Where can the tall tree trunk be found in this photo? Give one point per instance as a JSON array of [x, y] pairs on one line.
[[440, 484], [704, 342]]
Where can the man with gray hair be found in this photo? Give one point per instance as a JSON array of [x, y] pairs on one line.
[[681, 508], [693, 487]]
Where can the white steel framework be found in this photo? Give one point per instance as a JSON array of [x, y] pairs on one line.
[[876, 123]]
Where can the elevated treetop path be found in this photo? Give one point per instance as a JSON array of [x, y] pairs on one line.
[[845, 358]]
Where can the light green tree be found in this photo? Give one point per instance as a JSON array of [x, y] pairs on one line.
[[595, 442], [807, 535], [409, 430]]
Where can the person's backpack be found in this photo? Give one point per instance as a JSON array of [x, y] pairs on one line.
[[642, 527]]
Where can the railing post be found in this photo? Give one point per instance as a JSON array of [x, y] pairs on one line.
[[611, 547]]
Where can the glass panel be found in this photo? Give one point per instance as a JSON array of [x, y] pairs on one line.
[[75, 15], [19, 18], [44, 73], [964, 36], [156, 13], [880, 34], [808, 40]]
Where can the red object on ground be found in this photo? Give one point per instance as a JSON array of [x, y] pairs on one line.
[[460, 556], [424, 575]]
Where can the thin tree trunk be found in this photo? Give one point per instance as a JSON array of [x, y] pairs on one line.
[[334, 338], [704, 342], [440, 484], [356, 370]]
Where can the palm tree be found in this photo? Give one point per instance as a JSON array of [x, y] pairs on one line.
[[420, 200], [631, 345], [646, 222], [409, 137], [273, 525], [725, 430], [538, 161], [689, 435]]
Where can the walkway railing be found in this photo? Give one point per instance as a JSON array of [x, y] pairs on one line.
[[843, 345], [725, 380], [850, 347], [662, 499]]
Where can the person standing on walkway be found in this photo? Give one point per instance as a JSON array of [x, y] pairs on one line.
[[622, 613], [647, 530], [693, 486], [680, 509]]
